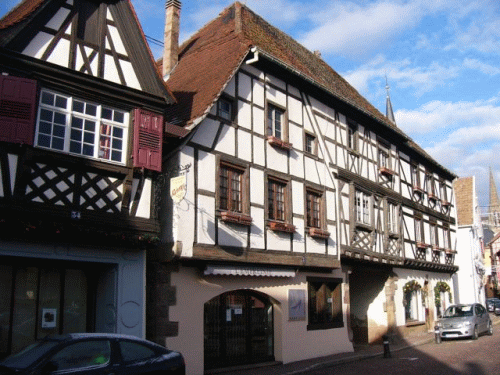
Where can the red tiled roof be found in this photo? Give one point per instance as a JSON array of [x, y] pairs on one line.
[[19, 12], [213, 54], [209, 59]]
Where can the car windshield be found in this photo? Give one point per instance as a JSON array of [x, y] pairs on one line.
[[28, 355], [458, 311]]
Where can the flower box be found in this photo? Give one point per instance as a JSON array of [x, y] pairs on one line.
[[236, 217], [422, 245], [276, 142], [433, 197], [417, 189], [436, 248], [319, 233], [279, 226], [445, 203], [450, 251], [386, 171]]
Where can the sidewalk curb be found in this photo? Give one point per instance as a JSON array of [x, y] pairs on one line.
[[355, 358], [360, 357]]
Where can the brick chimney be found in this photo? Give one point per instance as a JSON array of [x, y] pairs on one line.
[[171, 35]]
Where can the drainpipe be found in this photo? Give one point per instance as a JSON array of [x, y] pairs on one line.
[[255, 57]]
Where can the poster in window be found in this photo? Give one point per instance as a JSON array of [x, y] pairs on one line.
[[49, 318], [296, 304]]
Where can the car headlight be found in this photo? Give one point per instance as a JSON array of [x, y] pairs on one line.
[[438, 324]]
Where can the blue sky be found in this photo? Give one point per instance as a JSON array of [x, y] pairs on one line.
[[441, 59]]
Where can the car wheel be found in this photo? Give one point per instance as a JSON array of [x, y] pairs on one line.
[[490, 329], [475, 334]]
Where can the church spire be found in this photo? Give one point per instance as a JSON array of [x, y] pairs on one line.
[[494, 202], [388, 107]]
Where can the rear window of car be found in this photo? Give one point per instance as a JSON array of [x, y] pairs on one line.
[[29, 355], [135, 352]]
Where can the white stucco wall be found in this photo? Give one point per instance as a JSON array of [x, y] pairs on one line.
[[292, 340]]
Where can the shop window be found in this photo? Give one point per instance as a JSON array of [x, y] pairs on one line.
[[78, 127], [413, 303], [324, 303]]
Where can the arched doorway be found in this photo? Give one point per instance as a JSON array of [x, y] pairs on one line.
[[238, 329]]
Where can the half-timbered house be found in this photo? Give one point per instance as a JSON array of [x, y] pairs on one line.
[[310, 220], [81, 132]]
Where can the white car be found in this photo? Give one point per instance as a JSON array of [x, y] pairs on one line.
[[463, 321]]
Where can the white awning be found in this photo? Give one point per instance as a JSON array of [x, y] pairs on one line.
[[248, 271]]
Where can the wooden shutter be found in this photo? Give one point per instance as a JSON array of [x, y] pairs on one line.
[[148, 139], [17, 109]]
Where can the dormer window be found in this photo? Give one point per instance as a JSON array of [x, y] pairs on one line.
[[83, 128], [225, 108]]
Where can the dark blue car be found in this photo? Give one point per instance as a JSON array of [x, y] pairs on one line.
[[94, 353]]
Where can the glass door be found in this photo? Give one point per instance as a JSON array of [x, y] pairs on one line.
[[38, 300]]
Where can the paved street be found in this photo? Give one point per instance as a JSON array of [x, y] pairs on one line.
[[457, 357]]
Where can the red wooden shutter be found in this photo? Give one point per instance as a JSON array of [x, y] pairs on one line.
[[17, 109], [148, 139]]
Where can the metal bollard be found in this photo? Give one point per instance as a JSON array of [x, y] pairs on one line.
[[387, 350]]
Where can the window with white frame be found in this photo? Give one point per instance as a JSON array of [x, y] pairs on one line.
[[434, 235], [362, 208], [384, 157], [275, 121], [414, 309], [444, 193], [393, 218], [432, 185], [352, 135], [83, 128], [415, 176], [446, 238], [419, 233], [311, 146]]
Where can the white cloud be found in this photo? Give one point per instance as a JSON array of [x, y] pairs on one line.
[[481, 67], [352, 30], [419, 79], [483, 116]]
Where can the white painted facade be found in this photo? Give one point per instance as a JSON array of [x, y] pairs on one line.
[[197, 222], [470, 258]]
